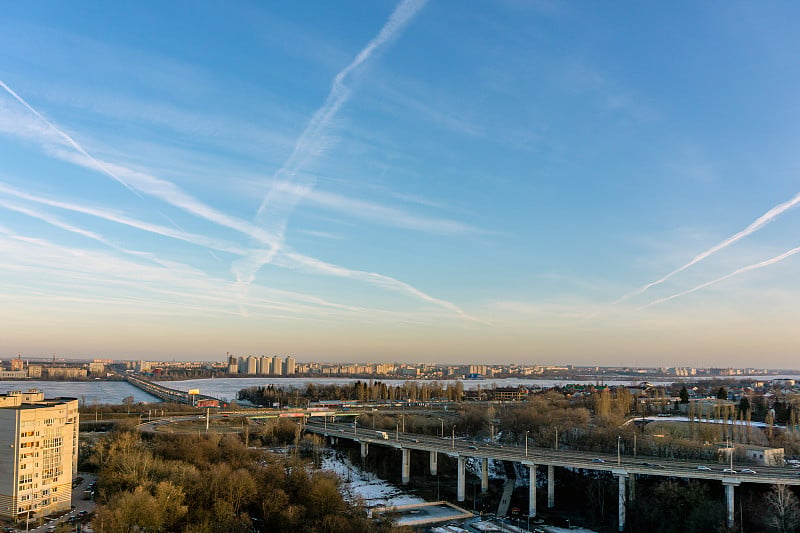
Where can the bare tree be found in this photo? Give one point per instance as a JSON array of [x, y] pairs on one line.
[[782, 509]]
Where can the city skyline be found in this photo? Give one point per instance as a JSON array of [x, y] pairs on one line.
[[535, 182]]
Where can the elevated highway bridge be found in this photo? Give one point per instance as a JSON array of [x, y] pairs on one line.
[[624, 467]]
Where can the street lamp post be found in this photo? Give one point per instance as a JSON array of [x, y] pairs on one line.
[[730, 451], [442, 421], [526, 442], [556, 441], [454, 437], [619, 458], [397, 432]]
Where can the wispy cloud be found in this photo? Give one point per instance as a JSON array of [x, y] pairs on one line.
[[175, 285], [66, 139], [313, 141], [320, 267], [315, 138], [756, 225], [286, 191], [113, 216], [139, 182], [374, 212], [756, 266]]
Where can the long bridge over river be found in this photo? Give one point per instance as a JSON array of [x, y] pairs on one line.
[[624, 467], [167, 394]]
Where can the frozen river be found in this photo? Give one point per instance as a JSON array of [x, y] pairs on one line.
[[113, 392]]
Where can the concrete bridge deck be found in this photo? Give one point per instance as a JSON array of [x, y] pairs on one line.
[[621, 466]]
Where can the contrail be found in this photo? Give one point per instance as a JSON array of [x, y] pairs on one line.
[[69, 140], [112, 216], [315, 265], [762, 264], [310, 143], [140, 182], [757, 224]]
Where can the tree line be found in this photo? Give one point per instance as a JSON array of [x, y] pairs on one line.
[[215, 484], [361, 391]]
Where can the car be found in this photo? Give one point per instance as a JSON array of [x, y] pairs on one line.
[[704, 468], [414, 440], [747, 471], [646, 464], [598, 460], [662, 467], [473, 447], [729, 470]]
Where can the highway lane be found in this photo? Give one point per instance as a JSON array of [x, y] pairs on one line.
[[654, 466]]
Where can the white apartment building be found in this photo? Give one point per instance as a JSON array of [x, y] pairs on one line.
[[38, 454]]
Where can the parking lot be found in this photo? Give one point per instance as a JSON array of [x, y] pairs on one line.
[[76, 520]]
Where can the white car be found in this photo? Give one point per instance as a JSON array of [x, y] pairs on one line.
[[729, 470], [747, 471], [704, 468]]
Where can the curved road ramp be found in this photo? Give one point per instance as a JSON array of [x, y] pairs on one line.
[[420, 514]]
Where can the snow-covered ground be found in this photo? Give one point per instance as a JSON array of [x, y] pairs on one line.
[[373, 491], [360, 484], [679, 418]]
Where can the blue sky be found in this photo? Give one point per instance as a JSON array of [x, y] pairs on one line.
[[506, 181]]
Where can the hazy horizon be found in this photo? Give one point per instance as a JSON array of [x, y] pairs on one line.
[[531, 182]]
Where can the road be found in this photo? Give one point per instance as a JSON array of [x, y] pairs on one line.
[[563, 458]]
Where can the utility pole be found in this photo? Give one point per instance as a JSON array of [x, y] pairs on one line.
[[526, 442]]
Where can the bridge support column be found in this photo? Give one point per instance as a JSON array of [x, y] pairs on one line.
[[623, 481], [532, 491], [631, 487], [551, 486], [406, 475], [729, 485], [364, 449], [434, 463], [484, 474], [462, 481]]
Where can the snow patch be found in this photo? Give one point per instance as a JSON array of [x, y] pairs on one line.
[[358, 484]]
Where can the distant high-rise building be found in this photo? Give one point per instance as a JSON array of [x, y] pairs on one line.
[[266, 365], [233, 366], [289, 370], [277, 366], [252, 365], [38, 454]]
